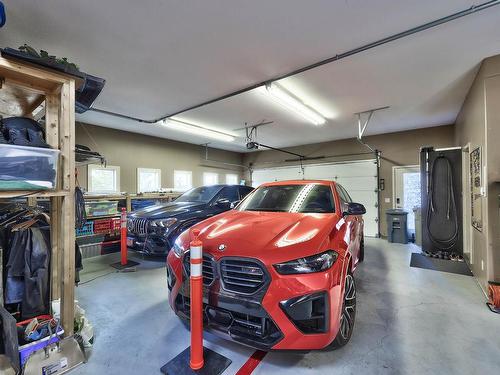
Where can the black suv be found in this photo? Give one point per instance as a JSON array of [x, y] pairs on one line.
[[153, 230]]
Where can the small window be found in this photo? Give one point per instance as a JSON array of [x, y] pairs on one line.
[[103, 179], [148, 180], [210, 178], [183, 180], [231, 179]]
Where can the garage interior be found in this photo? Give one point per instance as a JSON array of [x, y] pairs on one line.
[[136, 104]]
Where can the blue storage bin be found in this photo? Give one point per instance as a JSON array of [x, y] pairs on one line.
[[87, 230]]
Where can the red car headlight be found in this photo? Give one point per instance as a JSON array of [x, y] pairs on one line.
[[314, 263]]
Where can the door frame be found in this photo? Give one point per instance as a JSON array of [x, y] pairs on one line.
[[394, 171], [466, 204]]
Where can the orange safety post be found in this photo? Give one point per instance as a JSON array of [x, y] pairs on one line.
[[196, 286], [123, 233]]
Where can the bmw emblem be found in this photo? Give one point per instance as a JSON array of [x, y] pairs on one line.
[[222, 247]]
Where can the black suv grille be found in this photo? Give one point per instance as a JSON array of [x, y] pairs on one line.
[[241, 275], [138, 226], [208, 268]]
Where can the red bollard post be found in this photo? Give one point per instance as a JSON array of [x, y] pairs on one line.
[[196, 285], [123, 236], [124, 264]]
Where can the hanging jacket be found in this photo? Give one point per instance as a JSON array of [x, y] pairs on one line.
[[27, 269]]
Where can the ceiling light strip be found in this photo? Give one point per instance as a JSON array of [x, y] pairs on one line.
[[197, 130], [290, 102]]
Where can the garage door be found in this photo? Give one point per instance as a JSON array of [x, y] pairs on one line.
[[358, 177]]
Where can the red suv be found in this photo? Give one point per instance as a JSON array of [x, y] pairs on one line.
[[277, 269]]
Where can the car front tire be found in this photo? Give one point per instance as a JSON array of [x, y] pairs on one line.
[[348, 314], [362, 249]]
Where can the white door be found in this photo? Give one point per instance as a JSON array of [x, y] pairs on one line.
[[406, 191], [359, 178]]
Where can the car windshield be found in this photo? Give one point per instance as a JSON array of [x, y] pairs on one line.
[[202, 194], [306, 198]]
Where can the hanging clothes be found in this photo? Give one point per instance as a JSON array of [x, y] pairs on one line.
[[26, 240]]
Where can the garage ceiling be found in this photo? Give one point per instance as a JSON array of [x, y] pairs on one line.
[[160, 56]]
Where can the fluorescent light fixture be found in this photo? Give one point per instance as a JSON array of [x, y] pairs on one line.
[[293, 104], [198, 130]]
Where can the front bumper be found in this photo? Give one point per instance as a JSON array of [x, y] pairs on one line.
[[150, 244], [266, 320]]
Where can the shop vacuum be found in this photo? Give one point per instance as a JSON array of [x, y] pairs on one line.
[[441, 194]]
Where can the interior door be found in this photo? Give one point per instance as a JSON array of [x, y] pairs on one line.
[[406, 193]]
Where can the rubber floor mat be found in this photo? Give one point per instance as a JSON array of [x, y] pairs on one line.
[[436, 264]]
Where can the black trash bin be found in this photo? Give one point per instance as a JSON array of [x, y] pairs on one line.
[[397, 227]]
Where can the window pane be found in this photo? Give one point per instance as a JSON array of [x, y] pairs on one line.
[[149, 180], [103, 180], [210, 178], [231, 179], [183, 180], [411, 187]]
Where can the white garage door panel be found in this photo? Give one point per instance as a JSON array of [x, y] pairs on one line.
[[359, 178], [339, 170], [260, 176]]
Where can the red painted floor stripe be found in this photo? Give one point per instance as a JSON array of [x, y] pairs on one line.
[[252, 363]]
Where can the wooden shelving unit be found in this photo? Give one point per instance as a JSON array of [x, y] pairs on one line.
[[88, 242], [23, 89], [129, 197]]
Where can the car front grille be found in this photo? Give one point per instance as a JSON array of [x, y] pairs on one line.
[[208, 268], [257, 331], [242, 275], [138, 226]]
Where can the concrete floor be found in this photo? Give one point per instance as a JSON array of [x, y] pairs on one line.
[[409, 321]]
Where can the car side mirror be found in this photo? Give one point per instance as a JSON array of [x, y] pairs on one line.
[[223, 203], [355, 209]]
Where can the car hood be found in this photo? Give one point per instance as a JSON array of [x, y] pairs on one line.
[[171, 209], [265, 235]]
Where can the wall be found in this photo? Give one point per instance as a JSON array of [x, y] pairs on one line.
[[478, 124], [130, 151], [401, 148]]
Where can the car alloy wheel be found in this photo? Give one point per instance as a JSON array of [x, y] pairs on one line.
[[348, 308]]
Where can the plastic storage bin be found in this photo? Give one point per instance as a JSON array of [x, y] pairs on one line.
[[87, 230], [28, 168], [116, 224], [101, 208], [102, 226], [397, 228]]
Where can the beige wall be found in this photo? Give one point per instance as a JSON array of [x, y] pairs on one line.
[[478, 124], [397, 149], [130, 151]]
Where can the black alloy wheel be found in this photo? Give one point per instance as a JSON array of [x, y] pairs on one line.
[[348, 314]]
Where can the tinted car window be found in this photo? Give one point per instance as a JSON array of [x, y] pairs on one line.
[[244, 191], [230, 193], [202, 194], [344, 196], [307, 198]]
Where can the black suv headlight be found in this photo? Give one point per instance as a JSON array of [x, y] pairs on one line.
[[314, 263], [163, 223]]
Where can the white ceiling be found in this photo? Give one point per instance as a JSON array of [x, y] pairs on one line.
[[161, 56]]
